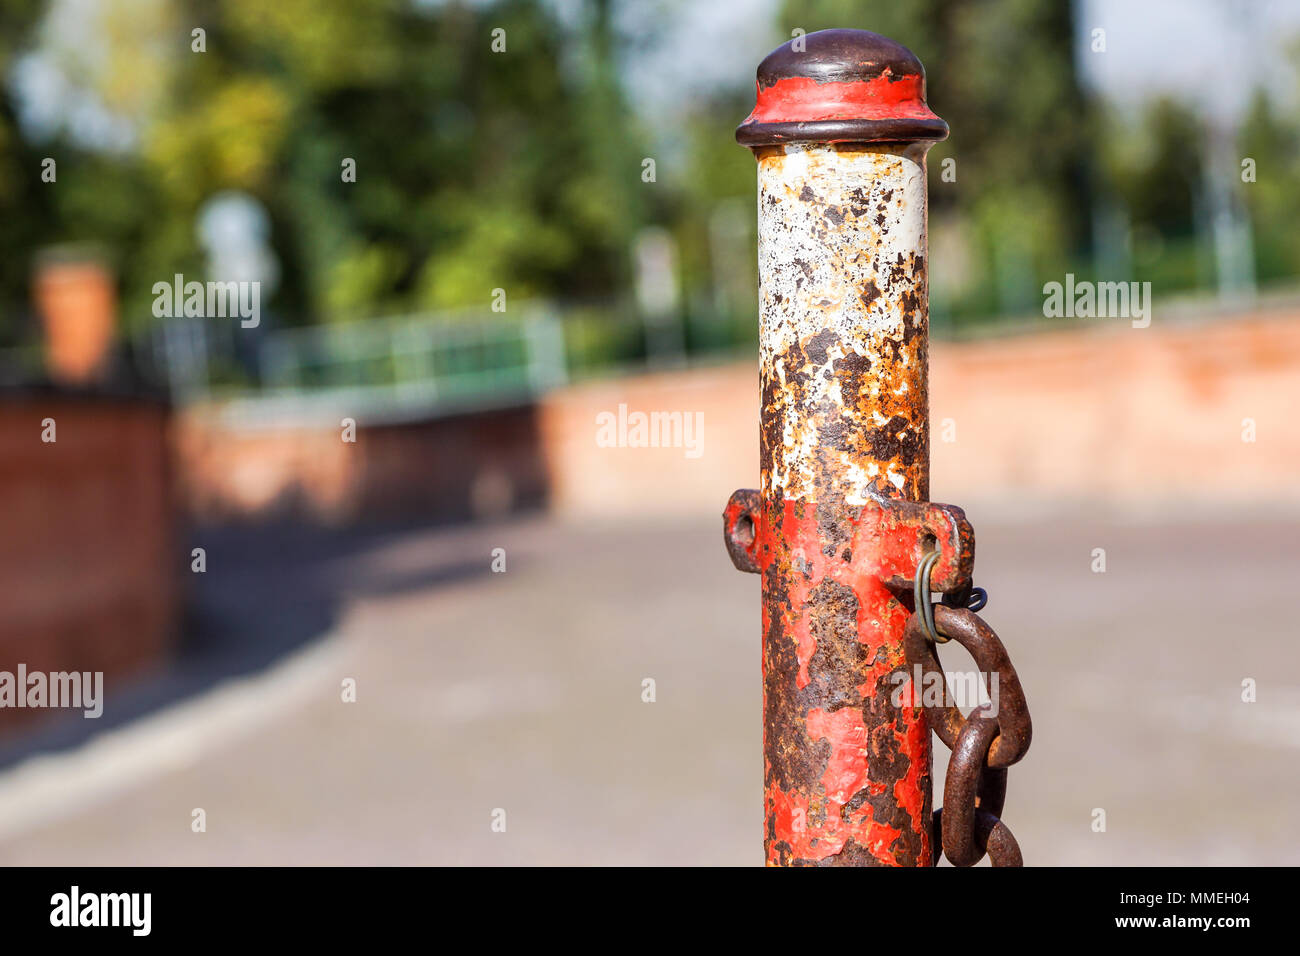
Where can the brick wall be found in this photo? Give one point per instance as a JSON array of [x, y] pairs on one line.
[[1107, 412], [89, 558], [1102, 412], [434, 469]]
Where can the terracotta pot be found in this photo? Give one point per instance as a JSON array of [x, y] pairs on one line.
[[78, 306]]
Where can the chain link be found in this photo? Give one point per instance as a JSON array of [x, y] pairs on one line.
[[984, 744]]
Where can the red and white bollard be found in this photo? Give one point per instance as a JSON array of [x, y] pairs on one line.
[[840, 132]]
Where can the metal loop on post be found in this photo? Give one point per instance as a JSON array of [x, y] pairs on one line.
[[921, 596], [971, 598]]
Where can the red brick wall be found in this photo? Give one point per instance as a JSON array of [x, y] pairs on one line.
[[1098, 413], [430, 470], [89, 557], [587, 479], [1104, 412]]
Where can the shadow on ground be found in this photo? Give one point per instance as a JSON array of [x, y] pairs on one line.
[[268, 591]]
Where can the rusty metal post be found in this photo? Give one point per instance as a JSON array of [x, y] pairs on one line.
[[840, 131]]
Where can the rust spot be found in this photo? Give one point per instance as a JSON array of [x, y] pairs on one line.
[[869, 293]]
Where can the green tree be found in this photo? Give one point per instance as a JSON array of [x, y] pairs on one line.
[[477, 167], [1001, 73], [1271, 143], [26, 206]]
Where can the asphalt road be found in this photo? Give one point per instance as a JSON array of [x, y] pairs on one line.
[[479, 692]]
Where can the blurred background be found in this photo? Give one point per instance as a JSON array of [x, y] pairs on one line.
[[363, 581]]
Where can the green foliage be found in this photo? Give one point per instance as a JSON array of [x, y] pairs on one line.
[[1272, 142], [25, 202], [1001, 74], [1156, 166], [521, 169], [475, 169]]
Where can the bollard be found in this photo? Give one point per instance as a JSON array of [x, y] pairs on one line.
[[841, 522]]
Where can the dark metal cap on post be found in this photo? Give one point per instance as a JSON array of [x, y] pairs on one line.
[[843, 86]]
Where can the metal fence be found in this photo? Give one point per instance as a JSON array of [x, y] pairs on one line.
[[388, 367], [421, 364]]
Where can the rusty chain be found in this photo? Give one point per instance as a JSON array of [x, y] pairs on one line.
[[983, 744]]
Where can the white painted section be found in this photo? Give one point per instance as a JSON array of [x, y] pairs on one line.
[[803, 265], [839, 234]]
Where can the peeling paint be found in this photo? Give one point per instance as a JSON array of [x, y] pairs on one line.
[[847, 379], [840, 133]]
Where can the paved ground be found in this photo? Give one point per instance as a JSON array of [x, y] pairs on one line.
[[522, 691]]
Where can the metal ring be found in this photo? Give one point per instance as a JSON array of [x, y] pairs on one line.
[[973, 599], [921, 595]]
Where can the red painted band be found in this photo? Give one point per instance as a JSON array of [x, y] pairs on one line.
[[801, 99]]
